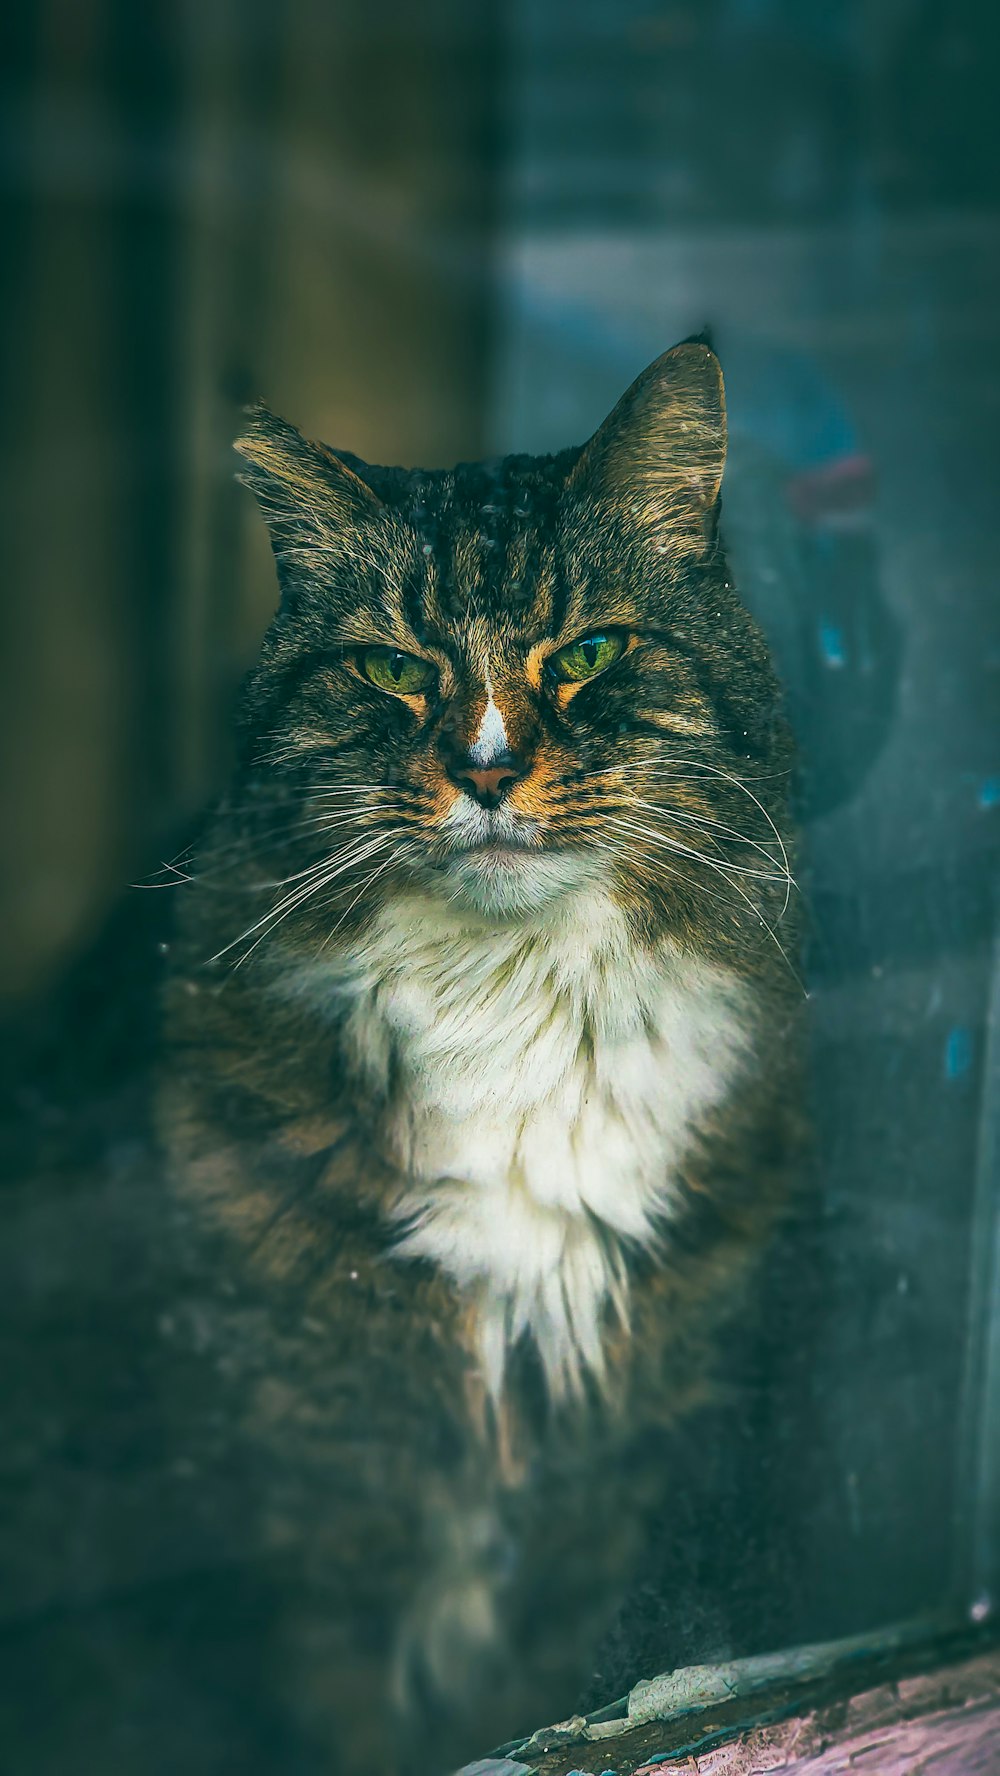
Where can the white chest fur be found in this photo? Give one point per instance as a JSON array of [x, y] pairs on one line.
[[548, 1076]]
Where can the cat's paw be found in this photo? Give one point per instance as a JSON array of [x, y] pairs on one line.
[[450, 1645]]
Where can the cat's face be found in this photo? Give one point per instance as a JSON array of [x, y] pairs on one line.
[[509, 681]]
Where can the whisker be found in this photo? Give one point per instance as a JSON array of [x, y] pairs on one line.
[[737, 869], [689, 881], [179, 877], [642, 764], [185, 868], [366, 884], [292, 834], [358, 788], [705, 821], [737, 782], [326, 869], [656, 839], [305, 895]]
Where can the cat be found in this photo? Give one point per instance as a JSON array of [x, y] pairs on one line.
[[483, 1029]]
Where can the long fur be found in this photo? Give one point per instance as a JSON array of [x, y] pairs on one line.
[[482, 1042]]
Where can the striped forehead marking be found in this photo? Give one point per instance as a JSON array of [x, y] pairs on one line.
[[491, 741]]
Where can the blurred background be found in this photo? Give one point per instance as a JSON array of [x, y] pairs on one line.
[[204, 203], [435, 233]]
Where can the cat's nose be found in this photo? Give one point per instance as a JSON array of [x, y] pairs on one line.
[[489, 784]]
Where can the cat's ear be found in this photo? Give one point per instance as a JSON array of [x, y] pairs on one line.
[[659, 456], [306, 495]]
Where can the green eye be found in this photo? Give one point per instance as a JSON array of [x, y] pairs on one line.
[[403, 674], [587, 657]]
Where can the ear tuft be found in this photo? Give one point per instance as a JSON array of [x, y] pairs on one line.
[[297, 482], [660, 454]]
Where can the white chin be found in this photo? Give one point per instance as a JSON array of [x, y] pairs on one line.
[[512, 882]]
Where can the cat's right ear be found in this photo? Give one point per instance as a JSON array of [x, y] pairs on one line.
[[308, 498]]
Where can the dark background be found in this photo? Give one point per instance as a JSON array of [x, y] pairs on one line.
[[436, 233]]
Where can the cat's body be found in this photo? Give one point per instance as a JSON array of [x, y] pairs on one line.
[[491, 1071]]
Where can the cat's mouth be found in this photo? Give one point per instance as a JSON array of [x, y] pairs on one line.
[[497, 856], [500, 845], [491, 834], [503, 862]]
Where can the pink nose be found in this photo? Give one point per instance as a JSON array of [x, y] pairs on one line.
[[489, 786]]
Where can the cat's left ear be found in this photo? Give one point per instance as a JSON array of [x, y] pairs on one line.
[[659, 456]]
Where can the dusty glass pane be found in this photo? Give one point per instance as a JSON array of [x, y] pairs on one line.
[[442, 237]]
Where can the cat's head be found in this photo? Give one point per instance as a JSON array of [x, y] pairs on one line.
[[512, 679]]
